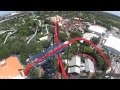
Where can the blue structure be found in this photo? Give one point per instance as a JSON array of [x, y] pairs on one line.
[[47, 64], [43, 53]]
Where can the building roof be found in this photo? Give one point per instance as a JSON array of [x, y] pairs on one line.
[[76, 60], [9, 68], [116, 68], [43, 38], [113, 42], [65, 61], [98, 29], [74, 70], [89, 66], [18, 77], [90, 35], [56, 18]]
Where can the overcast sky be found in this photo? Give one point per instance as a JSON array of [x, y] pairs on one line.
[[113, 12], [5, 12]]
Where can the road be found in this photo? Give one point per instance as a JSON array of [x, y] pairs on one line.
[[9, 34], [33, 35], [2, 32]]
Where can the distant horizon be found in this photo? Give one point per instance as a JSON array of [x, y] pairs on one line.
[[112, 12], [5, 12]]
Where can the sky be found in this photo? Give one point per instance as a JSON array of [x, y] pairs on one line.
[[113, 12], [5, 12]]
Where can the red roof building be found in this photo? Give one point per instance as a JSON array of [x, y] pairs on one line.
[[11, 68]]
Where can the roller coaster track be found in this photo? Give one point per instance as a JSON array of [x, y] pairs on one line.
[[29, 66], [57, 50], [32, 58], [91, 58], [57, 41]]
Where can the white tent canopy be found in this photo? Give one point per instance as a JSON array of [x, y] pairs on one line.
[[112, 44], [97, 29]]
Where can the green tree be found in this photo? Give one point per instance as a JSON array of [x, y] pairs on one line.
[[87, 31], [76, 34], [105, 65], [24, 31], [95, 40], [101, 64], [100, 61], [51, 29], [15, 47], [45, 43], [48, 22], [4, 52], [35, 73], [86, 44], [108, 56], [63, 37], [88, 50]]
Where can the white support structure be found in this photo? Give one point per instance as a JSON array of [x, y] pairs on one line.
[[74, 65], [74, 70], [76, 60], [89, 65]]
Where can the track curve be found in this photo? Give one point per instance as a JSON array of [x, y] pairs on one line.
[[29, 66], [90, 57]]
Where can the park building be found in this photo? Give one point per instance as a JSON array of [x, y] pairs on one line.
[[89, 36], [99, 30], [116, 69], [111, 44], [11, 68], [89, 67], [74, 65], [81, 69]]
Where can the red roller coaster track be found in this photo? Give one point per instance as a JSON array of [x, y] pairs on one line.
[[57, 41], [60, 48], [91, 58], [29, 66]]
